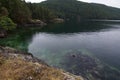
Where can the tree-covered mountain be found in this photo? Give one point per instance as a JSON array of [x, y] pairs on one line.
[[40, 12], [81, 10], [21, 12], [17, 9]]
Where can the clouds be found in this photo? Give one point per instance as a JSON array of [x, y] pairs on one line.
[[114, 3]]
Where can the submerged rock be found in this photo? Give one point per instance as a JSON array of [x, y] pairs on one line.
[[17, 65], [89, 67]]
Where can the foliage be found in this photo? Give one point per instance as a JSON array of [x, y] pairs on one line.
[[80, 10], [18, 10], [3, 11], [22, 12], [39, 12], [6, 23]]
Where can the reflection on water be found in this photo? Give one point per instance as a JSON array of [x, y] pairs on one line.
[[104, 45], [97, 38]]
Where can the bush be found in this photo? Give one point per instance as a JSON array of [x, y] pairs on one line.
[[6, 23]]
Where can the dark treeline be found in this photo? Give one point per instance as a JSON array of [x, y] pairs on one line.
[[81, 10], [17, 9], [40, 12], [21, 12], [14, 12]]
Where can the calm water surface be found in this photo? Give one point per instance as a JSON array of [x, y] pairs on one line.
[[101, 39]]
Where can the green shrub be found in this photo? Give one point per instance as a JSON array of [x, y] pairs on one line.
[[6, 23]]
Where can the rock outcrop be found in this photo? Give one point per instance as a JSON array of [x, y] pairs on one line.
[[57, 20], [2, 33], [36, 22], [17, 65]]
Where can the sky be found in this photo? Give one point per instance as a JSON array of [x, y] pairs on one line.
[[114, 3]]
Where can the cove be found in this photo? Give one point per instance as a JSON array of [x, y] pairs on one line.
[[52, 43]]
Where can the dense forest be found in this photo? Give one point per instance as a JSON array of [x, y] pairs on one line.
[[20, 12], [40, 12], [80, 10]]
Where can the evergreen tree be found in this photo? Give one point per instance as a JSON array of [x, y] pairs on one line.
[[39, 12], [75, 9], [6, 23], [17, 9]]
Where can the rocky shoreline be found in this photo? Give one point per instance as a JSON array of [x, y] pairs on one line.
[[11, 52], [32, 23], [18, 65], [76, 63]]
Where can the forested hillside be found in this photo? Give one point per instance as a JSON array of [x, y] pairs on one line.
[[14, 13], [80, 10], [17, 9], [40, 12], [21, 12]]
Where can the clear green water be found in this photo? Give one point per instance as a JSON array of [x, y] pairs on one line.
[[53, 42]]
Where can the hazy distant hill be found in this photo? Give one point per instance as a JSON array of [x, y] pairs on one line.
[[81, 10]]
